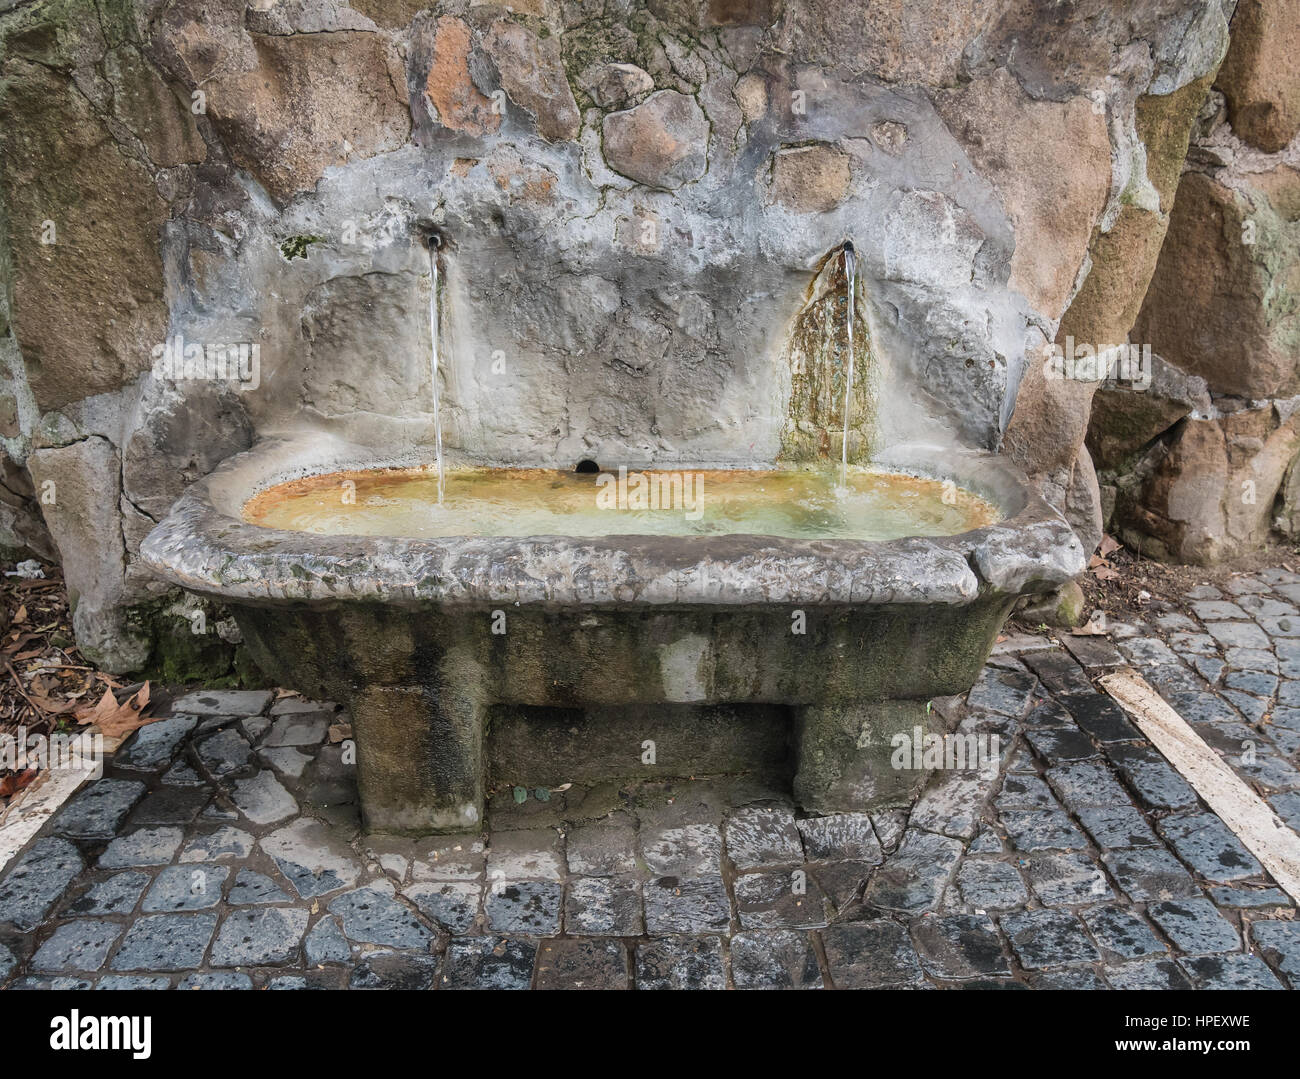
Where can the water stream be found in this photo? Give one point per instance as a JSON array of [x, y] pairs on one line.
[[850, 274], [434, 244]]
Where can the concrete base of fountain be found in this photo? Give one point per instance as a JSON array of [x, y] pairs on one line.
[[474, 661]]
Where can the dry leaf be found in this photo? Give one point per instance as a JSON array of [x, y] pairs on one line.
[[51, 706], [1109, 545], [13, 782], [116, 720], [1105, 573], [20, 616]]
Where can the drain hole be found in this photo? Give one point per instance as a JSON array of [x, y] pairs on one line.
[[587, 465]]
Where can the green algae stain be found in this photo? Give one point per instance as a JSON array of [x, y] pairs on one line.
[[817, 356]]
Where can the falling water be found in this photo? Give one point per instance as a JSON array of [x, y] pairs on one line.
[[850, 274], [434, 244]]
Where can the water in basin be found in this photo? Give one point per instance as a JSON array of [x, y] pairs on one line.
[[874, 505]]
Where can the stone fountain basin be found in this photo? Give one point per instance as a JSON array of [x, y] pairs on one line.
[[475, 662]]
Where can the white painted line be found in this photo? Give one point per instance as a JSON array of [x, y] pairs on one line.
[[1240, 808], [27, 813], [40, 801]]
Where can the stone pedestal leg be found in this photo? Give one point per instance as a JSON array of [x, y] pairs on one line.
[[420, 758], [846, 755]]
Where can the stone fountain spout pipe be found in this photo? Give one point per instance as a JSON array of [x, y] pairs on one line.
[[404, 631]]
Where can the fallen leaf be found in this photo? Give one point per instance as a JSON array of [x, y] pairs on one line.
[[20, 616], [13, 782], [1105, 573], [51, 706], [116, 720], [1109, 545]]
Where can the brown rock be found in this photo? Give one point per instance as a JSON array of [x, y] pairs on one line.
[[83, 517], [460, 105], [1281, 186], [532, 73], [739, 12], [148, 106], [88, 308], [288, 107], [1107, 304], [22, 529], [663, 142], [914, 41], [810, 179], [392, 14], [1050, 418], [1207, 494], [751, 96], [1050, 162], [890, 136], [1219, 306], [1125, 418], [523, 181], [612, 86], [1165, 123], [1083, 502], [1260, 76]]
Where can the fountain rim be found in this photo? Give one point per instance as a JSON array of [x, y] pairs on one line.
[[205, 546]]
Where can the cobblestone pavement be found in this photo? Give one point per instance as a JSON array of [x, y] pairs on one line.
[[222, 850]]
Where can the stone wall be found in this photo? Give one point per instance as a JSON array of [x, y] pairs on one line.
[[641, 205], [1200, 469]]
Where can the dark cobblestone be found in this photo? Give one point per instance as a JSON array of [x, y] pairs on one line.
[[1123, 932], [1208, 845], [1156, 783], [1117, 827], [1152, 974], [1048, 938], [37, 879], [1229, 972], [603, 906], [1067, 880], [990, 885], [1279, 944], [703, 884], [870, 955], [489, 963], [1195, 926], [394, 970], [914, 877], [959, 946], [165, 942], [98, 810], [1032, 830], [680, 963], [774, 959], [675, 905], [79, 945], [1150, 876], [570, 963]]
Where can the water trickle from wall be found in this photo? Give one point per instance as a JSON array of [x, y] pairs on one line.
[[828, 391], [434, 244], [850, 277]]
